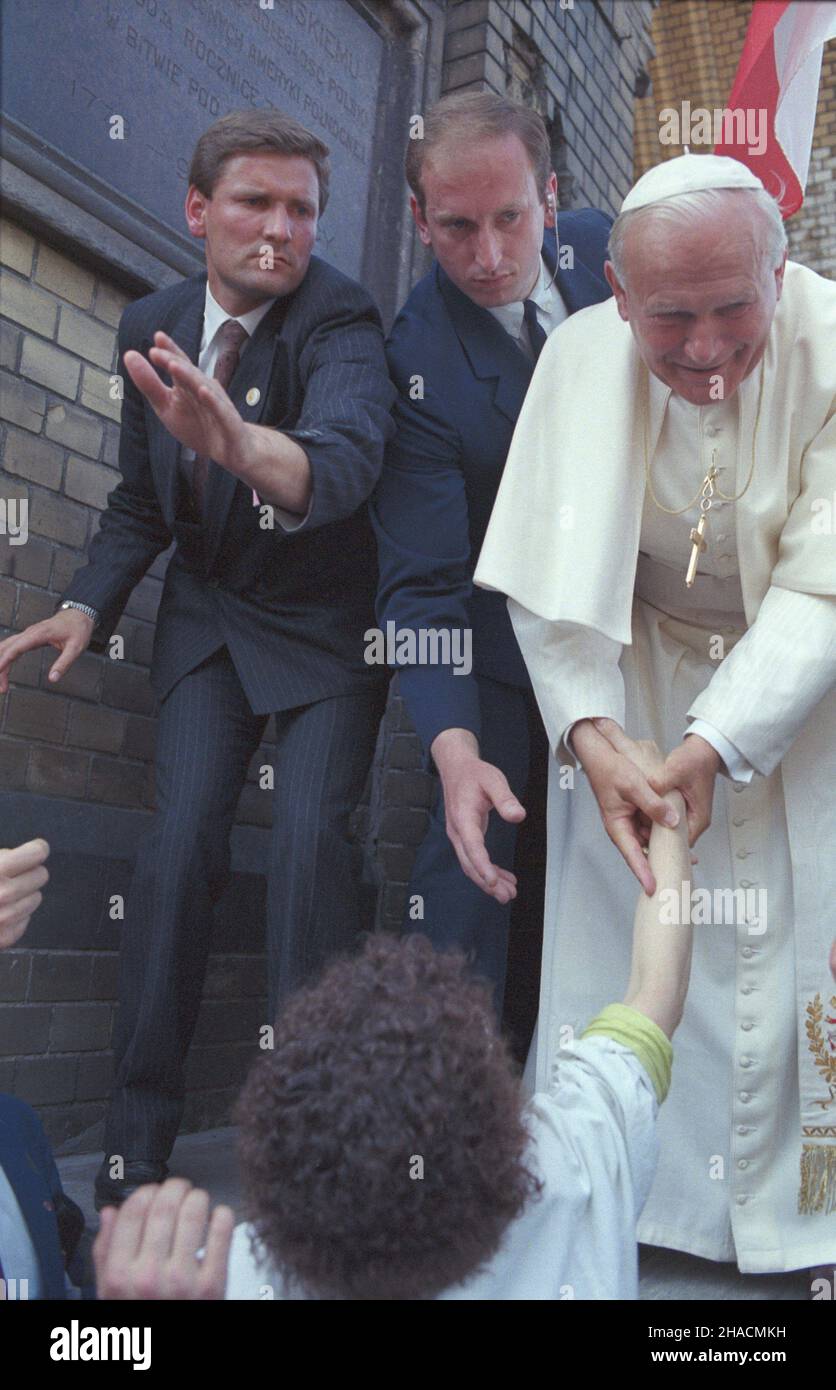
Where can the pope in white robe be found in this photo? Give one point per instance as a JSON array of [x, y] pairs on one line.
[[713, 358]]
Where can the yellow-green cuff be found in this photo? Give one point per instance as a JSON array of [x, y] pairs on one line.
[[644, 1037]]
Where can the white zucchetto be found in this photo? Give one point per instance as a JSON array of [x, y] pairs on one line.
[[688, 173]]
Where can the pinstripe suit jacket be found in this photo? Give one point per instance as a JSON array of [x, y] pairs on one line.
[[291, 606]]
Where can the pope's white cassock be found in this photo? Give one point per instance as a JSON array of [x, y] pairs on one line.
[[594, 571]]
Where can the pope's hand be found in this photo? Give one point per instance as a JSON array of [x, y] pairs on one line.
[[619, 771], [148, 1247], [691, 769], [195, 408], [472, 789]]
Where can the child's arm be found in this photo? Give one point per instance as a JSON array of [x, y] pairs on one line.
[[661, 963]]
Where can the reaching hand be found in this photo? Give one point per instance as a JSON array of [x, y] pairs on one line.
[[195, 408], [22, 876], [69, 630], [615, 766], [148, 1247], [472, 789]]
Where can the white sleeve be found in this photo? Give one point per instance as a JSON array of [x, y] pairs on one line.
[[735, 765], [574, 671], [762, 693]]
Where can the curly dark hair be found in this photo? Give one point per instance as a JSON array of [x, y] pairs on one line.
[[382, 1140]]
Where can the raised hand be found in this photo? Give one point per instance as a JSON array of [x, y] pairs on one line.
[[22, 876], [195, 408], [148, 1248]]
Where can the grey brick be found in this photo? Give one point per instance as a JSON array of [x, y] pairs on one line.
[[50, 367], [218, 1023], [24, 1028], [89, 482], [401, 826], [60, 975], [95, 726], [111, 445], [117, 782], [83, 681], [85, 337], [34, 605], [96, 393], [94, 1078], [212, 1067], [80, 1027], [16, 247], [110, 303], [65, 277], [105, 979], [8, 596], [63, 1123], [208, 1110], [463, 15], [45, 1080], [57, 772], [140, 738], [21, 403], [27, 669], [36, 714], [14, 975], [64, 566], [13, 758], [7, 1074], [31, 456], [31, 563], [22, 302], [60, 520], [75, 429], [127, 687], [9, 344]]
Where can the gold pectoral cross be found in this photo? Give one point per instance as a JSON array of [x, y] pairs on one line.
[[698, 544]]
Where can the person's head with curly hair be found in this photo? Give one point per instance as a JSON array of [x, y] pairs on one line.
[[383, 1146]]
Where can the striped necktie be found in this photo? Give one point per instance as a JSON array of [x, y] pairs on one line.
[[230, 339]]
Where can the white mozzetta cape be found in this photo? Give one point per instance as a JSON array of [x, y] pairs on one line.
[[563, 543]]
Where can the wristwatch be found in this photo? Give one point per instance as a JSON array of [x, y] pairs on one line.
[[82, 608]]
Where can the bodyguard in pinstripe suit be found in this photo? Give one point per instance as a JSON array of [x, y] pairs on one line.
[[269, 403]]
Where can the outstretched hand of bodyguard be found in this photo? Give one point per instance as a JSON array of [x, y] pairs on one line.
[[472, 789], [195, 408]]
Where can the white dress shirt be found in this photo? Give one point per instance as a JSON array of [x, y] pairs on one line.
[[550, 311], [20, 1261]]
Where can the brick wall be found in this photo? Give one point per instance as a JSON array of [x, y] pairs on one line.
[[91, 741], [697, 50]]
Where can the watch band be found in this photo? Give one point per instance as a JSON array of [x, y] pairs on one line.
[[85, 608]]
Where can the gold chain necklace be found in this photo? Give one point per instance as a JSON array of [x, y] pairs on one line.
[[707, 489]]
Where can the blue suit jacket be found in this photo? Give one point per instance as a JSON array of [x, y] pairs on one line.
[[442, 471], [55, 1223]]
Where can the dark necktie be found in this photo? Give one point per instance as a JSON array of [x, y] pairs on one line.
[[536, 335], [230, 338]]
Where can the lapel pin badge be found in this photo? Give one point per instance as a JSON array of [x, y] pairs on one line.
[[253, 396]]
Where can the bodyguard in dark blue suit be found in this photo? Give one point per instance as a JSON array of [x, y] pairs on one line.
[[461, 353], [264, 383]]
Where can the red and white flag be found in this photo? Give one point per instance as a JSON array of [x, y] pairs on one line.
[[778, 75]]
